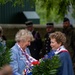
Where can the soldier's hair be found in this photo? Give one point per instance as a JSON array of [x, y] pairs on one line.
[[23, 35], [66, 19], [58, 36]]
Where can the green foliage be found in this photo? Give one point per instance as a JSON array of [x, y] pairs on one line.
[[5, 53], [47, 67], [54, 10], [15, 2], [5, 1], [49, 10], [4, 56], [10, 43], [18, 2]]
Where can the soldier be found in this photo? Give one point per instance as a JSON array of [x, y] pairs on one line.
[[36, 45], [68, 30], [49, 30]]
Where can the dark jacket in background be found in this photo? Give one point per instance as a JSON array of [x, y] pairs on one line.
[[46, 45], [36, 45], [70, 36]]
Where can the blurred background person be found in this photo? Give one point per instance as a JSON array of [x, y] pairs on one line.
[[36, 45], [49, 29], [69, 31], [2, 38]]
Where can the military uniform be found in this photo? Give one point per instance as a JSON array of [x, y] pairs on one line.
[[36, 45], [69, 31], [70, 36], [47, 43], [46, 46]]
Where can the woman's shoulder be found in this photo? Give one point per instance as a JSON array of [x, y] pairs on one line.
[[14, 48], [64, 55]]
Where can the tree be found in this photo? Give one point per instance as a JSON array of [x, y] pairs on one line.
[[15, 2], [47, 66], [5, 53], [4, 56], [54, 9]]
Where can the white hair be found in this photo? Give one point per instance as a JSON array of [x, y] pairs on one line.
[[23, 34]]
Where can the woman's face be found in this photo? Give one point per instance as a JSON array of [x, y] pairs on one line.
[[26, 43], [54, 44]]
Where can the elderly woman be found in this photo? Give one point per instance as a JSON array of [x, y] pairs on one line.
[[21, 59], [58, 40]]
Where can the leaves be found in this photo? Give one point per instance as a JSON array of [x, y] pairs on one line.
[[4, 56], [51, 10], [15, 2], [18, 2], [47, 67], [55, 10], [5, 53], [5, 1]]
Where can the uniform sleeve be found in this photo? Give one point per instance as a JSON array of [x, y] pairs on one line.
[[37, 35], [14, 63], [39, 41], [73, 40]]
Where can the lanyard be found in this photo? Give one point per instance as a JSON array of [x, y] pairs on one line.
[[24, 53], [27, 57]]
